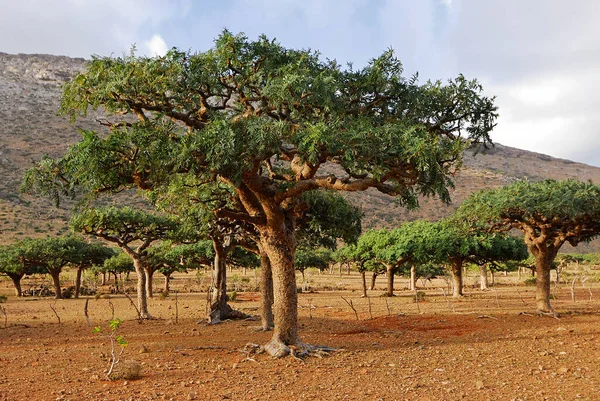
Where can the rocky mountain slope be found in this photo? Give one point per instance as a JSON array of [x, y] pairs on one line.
[[30, 128]]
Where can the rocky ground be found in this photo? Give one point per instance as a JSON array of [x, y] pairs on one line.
[[476, 348]]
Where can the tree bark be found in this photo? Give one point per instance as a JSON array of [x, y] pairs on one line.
[[78, 281], [373, 277], [413, 278], [141, 288], [167, 288], [56, 281], [117, 283], [149, 281], [103, 282], [364, 283], [266, 292], [457, 279], [279, 243], [543, 265], [483, 277], [390, 271], [16, 279]]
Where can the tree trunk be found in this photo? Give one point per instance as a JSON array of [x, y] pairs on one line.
[[413, 278], [266, 292], [457, 279], [117, 284], [149, 281], [373, 277], [543, 265], [493, 277], [141, 288], [364, 283], [56, 281], [280, 245], [78, 281], [219, 309], [390, 280], [483, 277], [103, 282], [348, 268], [16, 279], [167, 288]]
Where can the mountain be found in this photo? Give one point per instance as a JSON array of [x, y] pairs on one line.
[[30, 128]]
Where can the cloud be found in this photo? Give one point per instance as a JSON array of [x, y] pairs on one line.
[[156, 46]]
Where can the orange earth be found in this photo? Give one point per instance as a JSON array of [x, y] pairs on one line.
[[476, 348]]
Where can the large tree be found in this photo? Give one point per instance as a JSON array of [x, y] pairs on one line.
[[264, 120], [14, 265], [549, 213], [131, 230]]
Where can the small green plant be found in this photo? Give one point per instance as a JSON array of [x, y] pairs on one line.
[[531, 281], [3, 298], [232, 296], [117, 348], [116, 341]]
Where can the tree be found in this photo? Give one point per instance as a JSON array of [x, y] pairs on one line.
[[126, 227], [549, 213], [52, 255], [115, 265], [264, 120], [168, 258], [93, 254], [14, 265]]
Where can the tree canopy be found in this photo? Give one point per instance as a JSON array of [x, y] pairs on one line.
[[263, 120], [549, 213]]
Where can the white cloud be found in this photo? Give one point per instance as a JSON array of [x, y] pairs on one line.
[[156, 46]]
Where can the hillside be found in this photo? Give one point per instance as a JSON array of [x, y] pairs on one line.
[[30, 128]]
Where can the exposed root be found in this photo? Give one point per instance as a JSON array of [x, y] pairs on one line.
[[261, 328], [278, 349]]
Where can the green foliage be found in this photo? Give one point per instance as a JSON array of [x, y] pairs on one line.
[[119, 263], [308, 257], [571, 209], [3, 298]]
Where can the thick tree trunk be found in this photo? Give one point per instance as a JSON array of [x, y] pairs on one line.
[[373, 277], [280, 245], [56, 281], [149, 281], [266, 292], [390, 281], [141, 289], [543, 266], [413, 278], [483, 277], [16, 280], [167, 288], [78, 282], [363, 275], [457, 279]]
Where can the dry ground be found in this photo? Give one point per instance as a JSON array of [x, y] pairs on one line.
[[475, 348]]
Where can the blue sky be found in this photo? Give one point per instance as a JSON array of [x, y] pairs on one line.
[[541, 58]]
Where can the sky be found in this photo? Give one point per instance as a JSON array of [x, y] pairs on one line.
[[540, 58]]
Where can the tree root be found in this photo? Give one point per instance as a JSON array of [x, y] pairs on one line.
[[299, 351]]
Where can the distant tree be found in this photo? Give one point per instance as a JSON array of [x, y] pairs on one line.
[[127, 227], [263, 120], [14, 265], [52, 255], [549, 213], [91, 254], [168, 258], [118, 264]]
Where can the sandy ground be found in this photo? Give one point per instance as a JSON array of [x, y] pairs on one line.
[[475, 348]]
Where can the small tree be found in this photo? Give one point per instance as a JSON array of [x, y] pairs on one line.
[[126, 227], [549, 213], [93, 254]]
